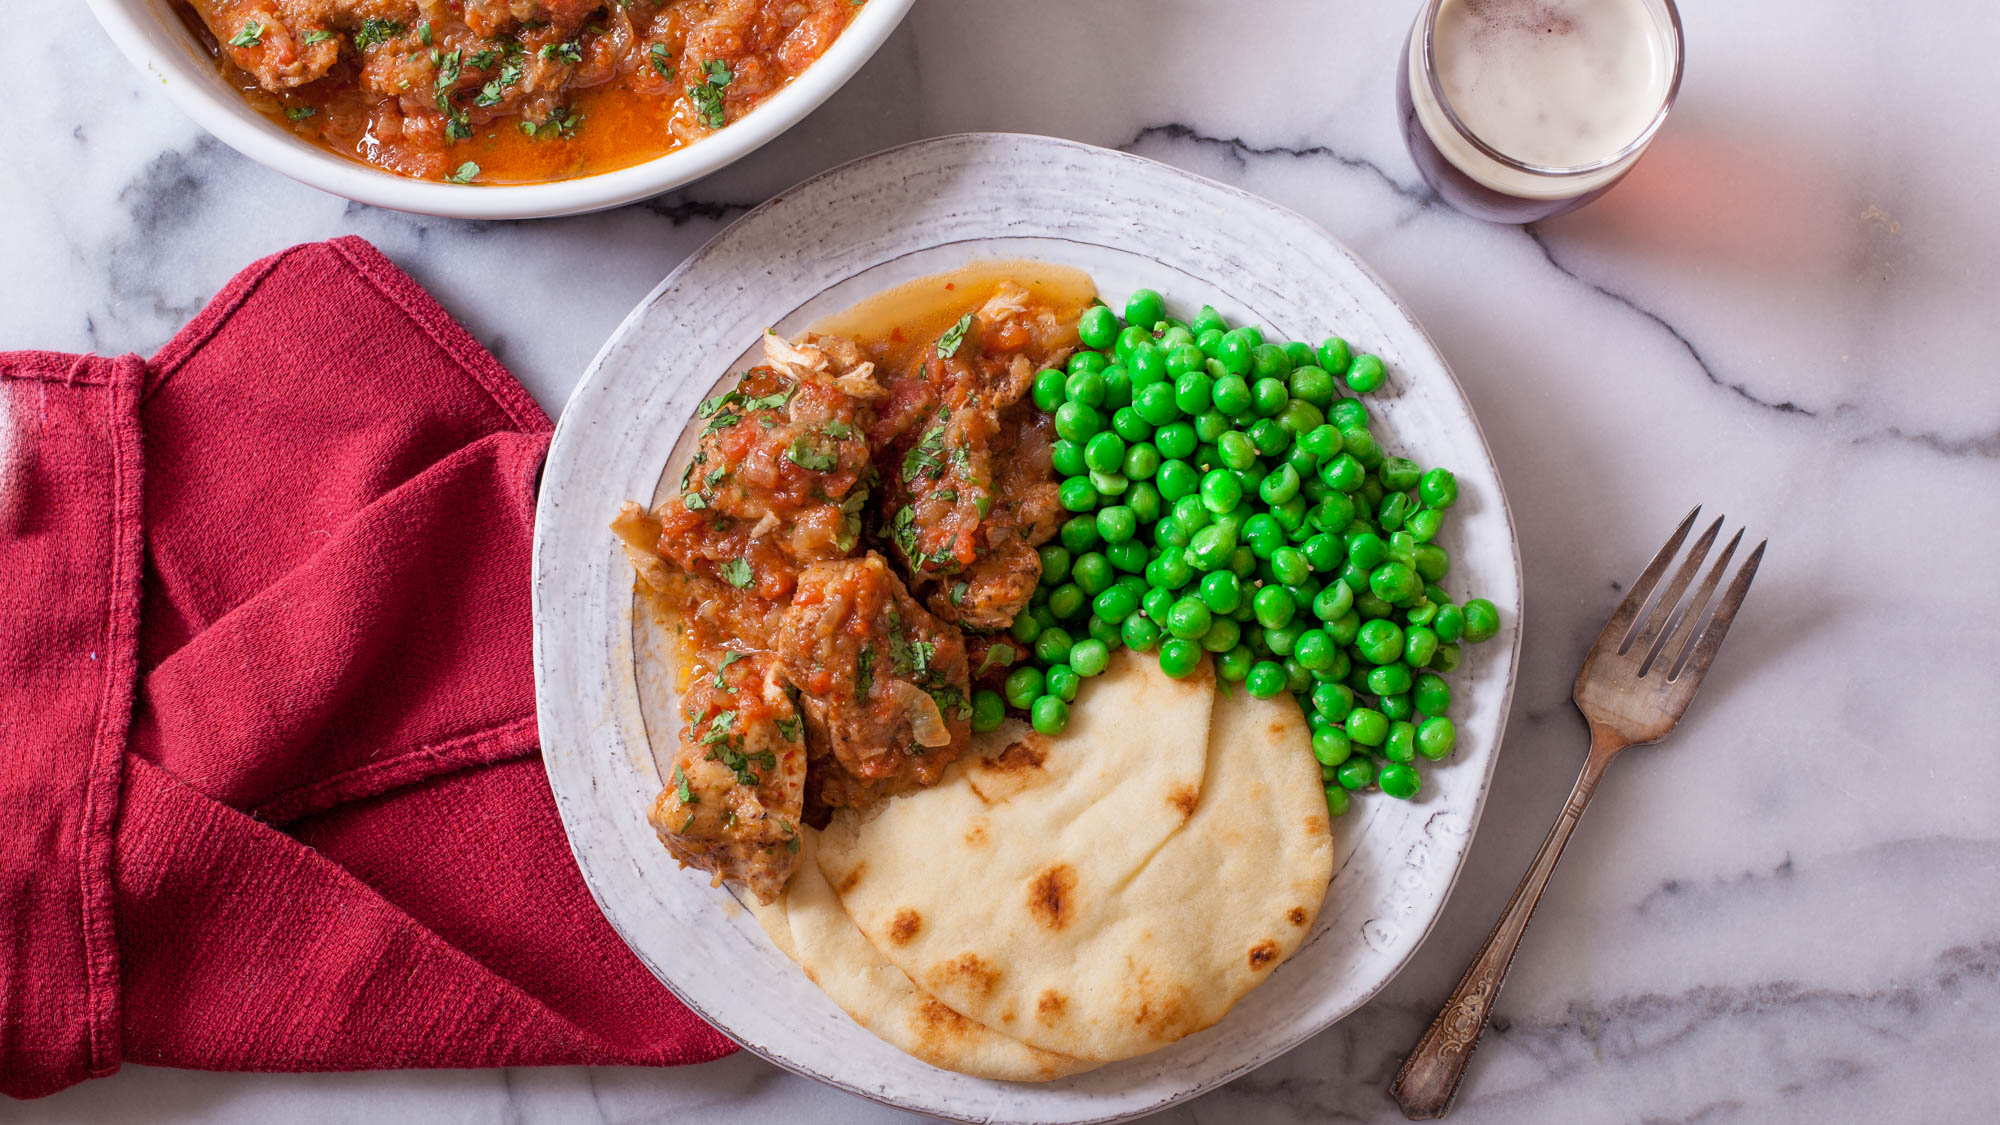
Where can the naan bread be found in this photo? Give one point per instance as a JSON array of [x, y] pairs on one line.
[[808, 924], [1097, 895]]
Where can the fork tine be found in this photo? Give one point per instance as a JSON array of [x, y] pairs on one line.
[[1674, 641], [1693, 665], [1655, 623], [1635, 598]]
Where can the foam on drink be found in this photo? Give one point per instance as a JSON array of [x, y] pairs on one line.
[[1558, 84]]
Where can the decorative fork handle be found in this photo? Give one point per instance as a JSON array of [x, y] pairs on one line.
[[1429, 1079]]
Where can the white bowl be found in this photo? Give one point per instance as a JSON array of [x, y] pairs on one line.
[[158, 43]]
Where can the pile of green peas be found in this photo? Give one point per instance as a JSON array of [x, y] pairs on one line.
[[1225, 498]]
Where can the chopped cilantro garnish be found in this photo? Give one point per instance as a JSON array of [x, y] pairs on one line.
[[839, 430], [379, 31], [850, 519], [864, 671], [694, 501], [249, 35], [562, 122], [465, 174], [316, 36], [807, 456], [736, 572], [728, 658], [926, 458], [568, 52], [299, 112], [707, 97], [958, 590], [684, 791], [1000, 654], [948, 344], [790, 729], [482, 59], [662, 65], [424, 33], [904, 528]]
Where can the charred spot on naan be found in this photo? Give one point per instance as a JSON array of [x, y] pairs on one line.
[[975, 833], [905, 926], [1052, 895], [1163, 1012], [1020, 767], [1049, 1007], [1263, 955], [968, 971], [1297, 916], [1184, 797], [851, 880]]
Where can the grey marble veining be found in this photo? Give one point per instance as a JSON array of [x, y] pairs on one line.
[[1790, 912]]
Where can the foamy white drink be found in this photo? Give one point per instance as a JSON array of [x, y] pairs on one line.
[[1553, 84]]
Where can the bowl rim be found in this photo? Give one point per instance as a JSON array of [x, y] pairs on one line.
[[193, 89]]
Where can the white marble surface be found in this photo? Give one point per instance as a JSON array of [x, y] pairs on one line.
[[1791, 912]]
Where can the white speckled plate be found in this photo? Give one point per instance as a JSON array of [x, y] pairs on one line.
[[821, 246]]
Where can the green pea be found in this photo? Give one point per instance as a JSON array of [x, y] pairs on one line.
[[1380, 642], [1298, 677], [1115, 603], [1273, 606], [1067, 457], [1155, 404], [1345, 628], [1401, 745], [1066, 601], [1431, 561], [1175, 440], [1243, 562], [1157, 600], [1397, 707], [1191, 392], [1446, 661], [1344, 473], [1077, 495], [988, 710], [1333, 355], [1127, 425], [1230, 394], [1283, 640], [1098, 327], [1400, 473], [1233, 351], [1105, 453], [1365, 374], [1221, 591], [1211, 548], [1049, 390], [1090, 657], [1086, 360], [1324, 553], [1333, 700], [1367, 550], [1236, 450], [1449, 624], [1092, 573], [1394, 583], [1235, 664], [1438, 488], [1210, 341], [1063, 681], [1176, 479], [1268, 397], [1250, 477], [1171, 532], [1482, 620], [1356, 773], [1397, 779], [1334, 601], [1280, 486], [1139, 633], [1078, 421], [1436, 737], [1337, 800], [1367, 726], [1183, 358], [1189, 619], [1049, 715], [1144, 500], [1269, 361], [1389, 679], [1420, 611], [1129, 340], [1211, 424], [1117, 388], [1208, 320], [1348, 413], [1266, 679], [1193, 513], [1300, 417], [1055, 563], [1145, 308], [1315, 650], [1117, 523], [1025, 628], [1395, 506], [1223, 635], [1221, 492], [1179, 658], [1424, 524], [1420, 645], [1289, 566], [1332, 514], [1053, 646], [1313, 385], [1431, 694], [1361, 445], [1023, 685], [1269, 437], [1147, 366]]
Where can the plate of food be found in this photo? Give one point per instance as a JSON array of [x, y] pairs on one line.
[[1022, 632], [496, 109]]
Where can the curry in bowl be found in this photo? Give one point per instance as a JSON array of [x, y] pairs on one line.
[[511, 91]]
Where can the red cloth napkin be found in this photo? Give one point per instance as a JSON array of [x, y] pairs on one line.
[[270, 796]]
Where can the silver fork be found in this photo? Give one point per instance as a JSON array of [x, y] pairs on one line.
[[1633, 688]]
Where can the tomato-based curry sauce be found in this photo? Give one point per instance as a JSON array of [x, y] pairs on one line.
[[511, 91]]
